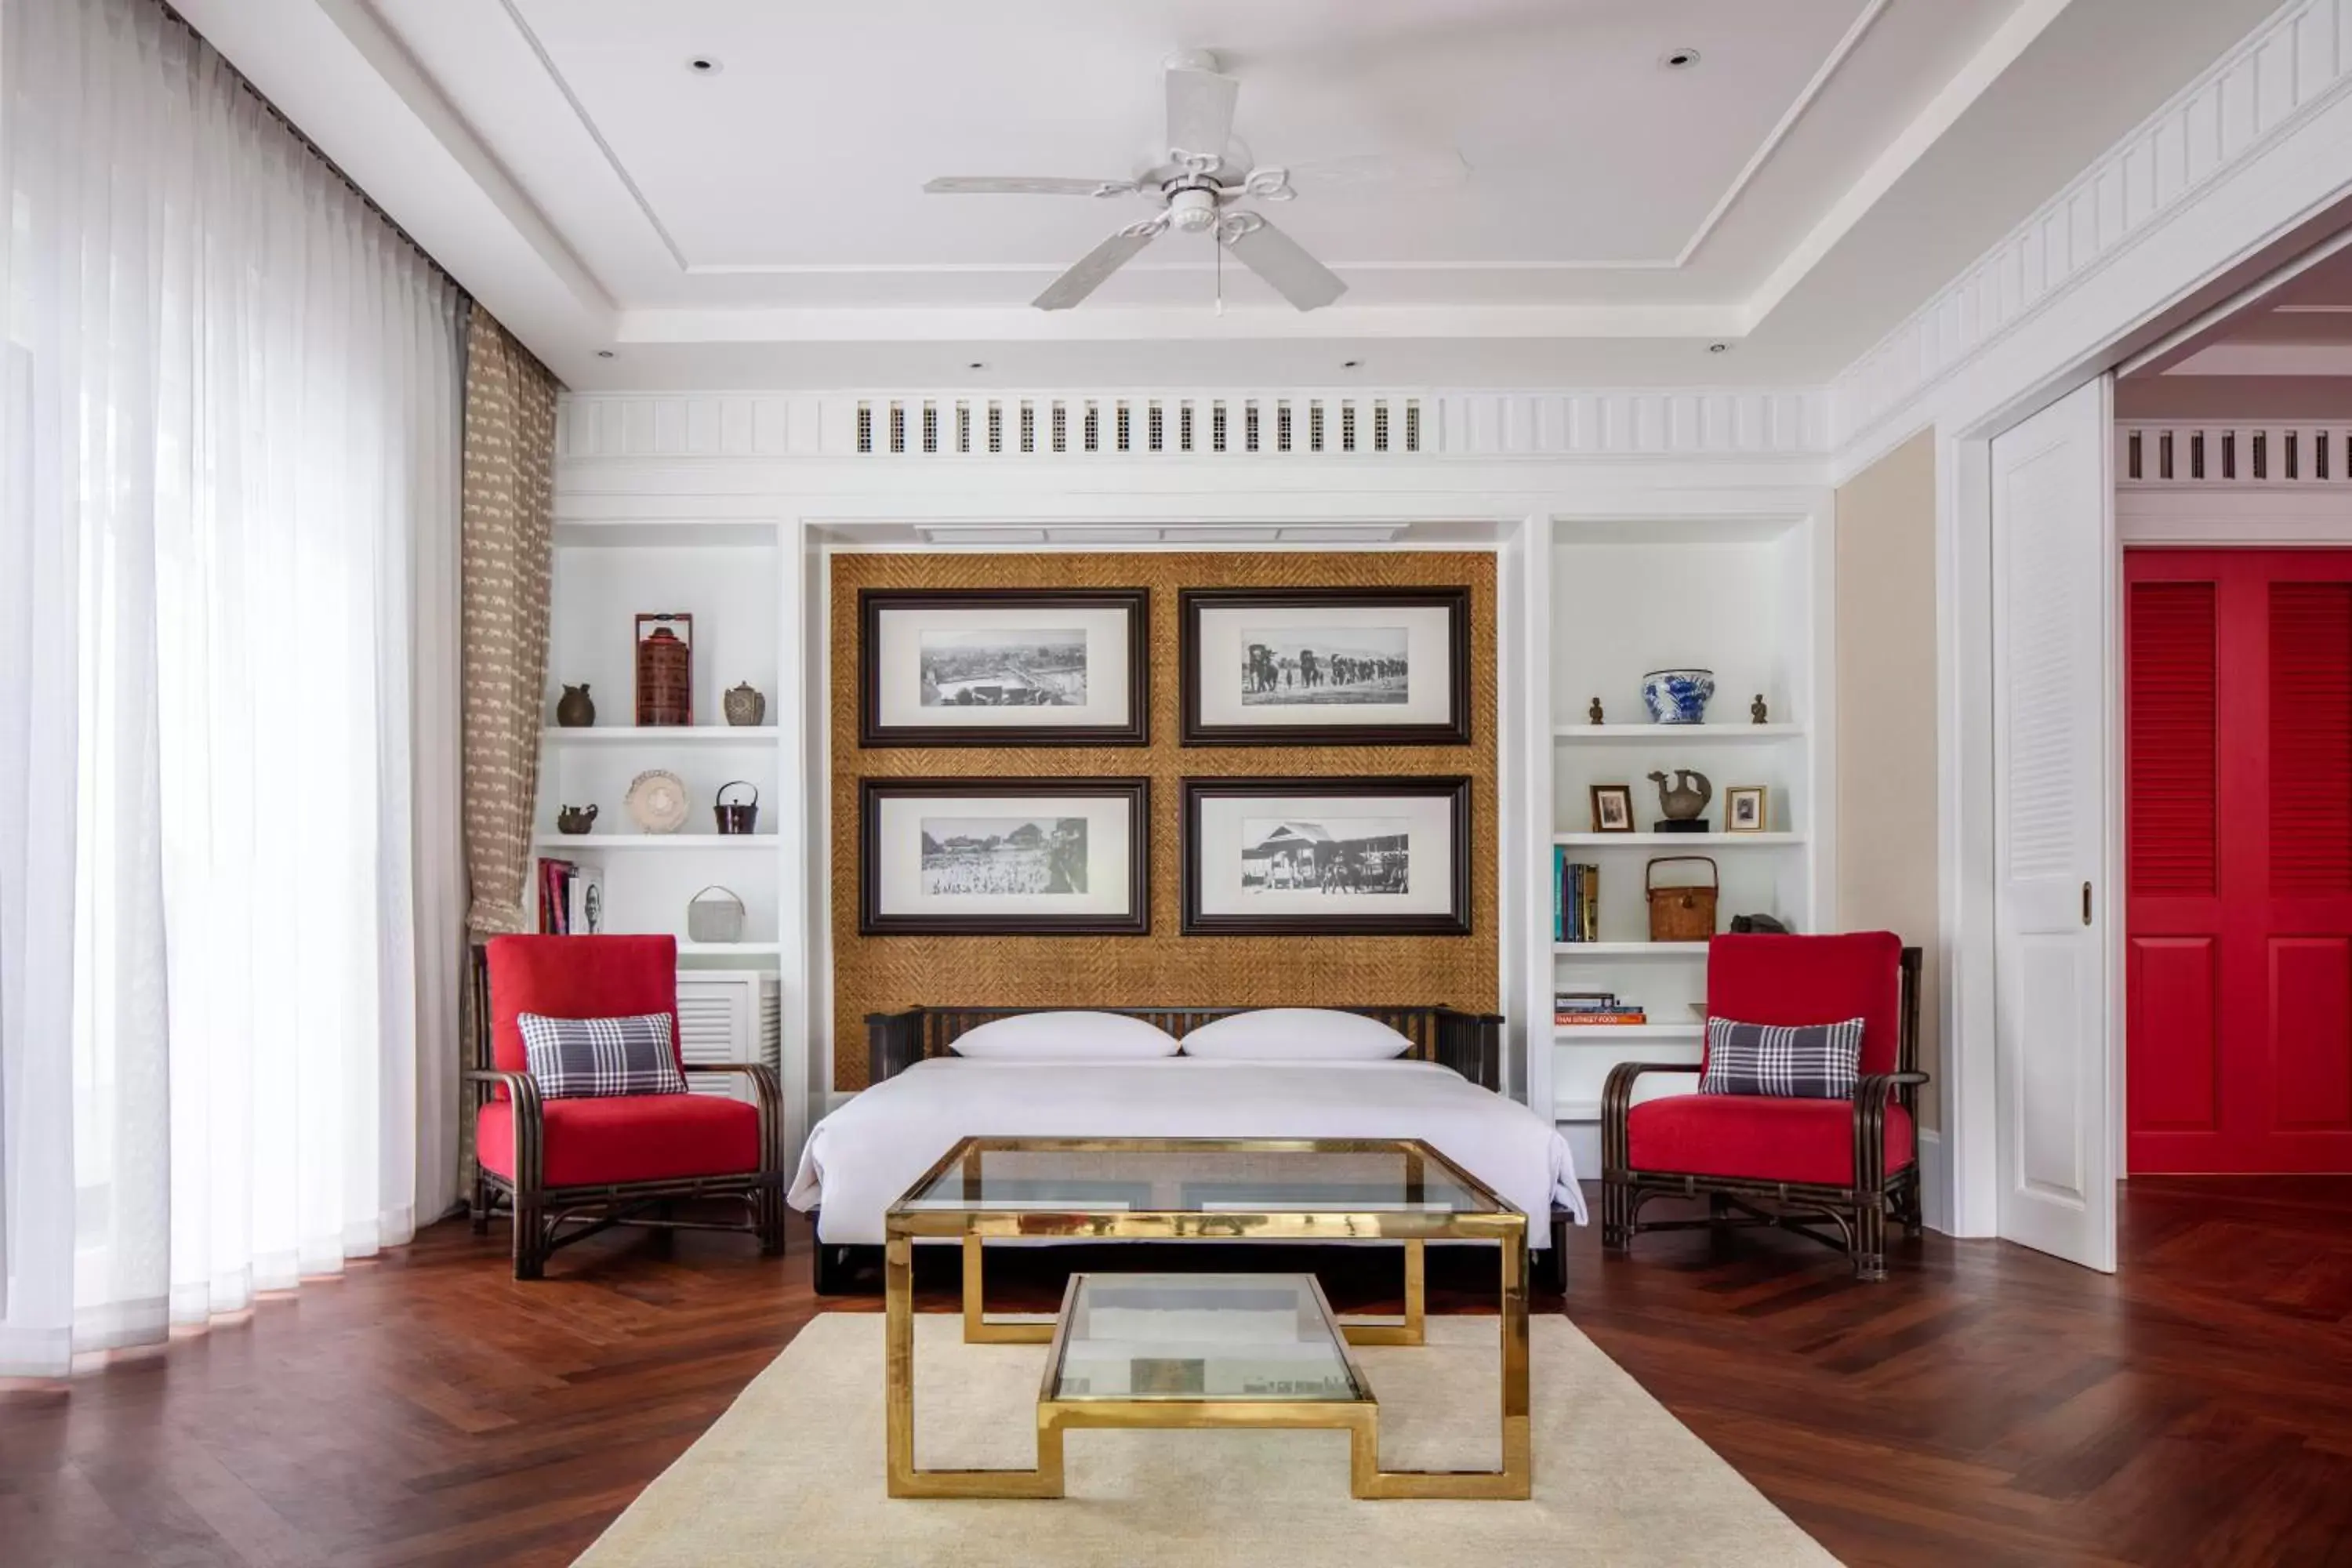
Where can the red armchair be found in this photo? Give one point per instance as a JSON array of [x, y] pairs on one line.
[[1784, 1163], [570, 1168]]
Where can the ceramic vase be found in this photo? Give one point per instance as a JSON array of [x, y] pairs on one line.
[[1677, 696]]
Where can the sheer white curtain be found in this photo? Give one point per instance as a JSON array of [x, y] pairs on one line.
[[226, 517]]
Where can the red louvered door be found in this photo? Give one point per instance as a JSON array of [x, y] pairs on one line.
[[2237, 1047]]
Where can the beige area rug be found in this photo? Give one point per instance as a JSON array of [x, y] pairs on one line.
[[793, 1473]]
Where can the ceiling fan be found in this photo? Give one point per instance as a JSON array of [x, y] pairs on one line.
[[1199, 187]]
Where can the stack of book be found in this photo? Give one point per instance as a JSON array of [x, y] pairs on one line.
[[571, 898], [1602, 1007], [1576, 900]]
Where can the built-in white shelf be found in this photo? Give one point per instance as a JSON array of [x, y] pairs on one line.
[[1583, 1033], [1576, 1110], [655, 841], [729, 949], [659, 735], [1675, 733], [1658, 841], [1631, 949]]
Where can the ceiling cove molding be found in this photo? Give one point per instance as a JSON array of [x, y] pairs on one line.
[[1027, 428], [1812, 90], [2242, 108]]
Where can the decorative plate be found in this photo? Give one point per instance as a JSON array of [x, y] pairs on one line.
[[656, 801]]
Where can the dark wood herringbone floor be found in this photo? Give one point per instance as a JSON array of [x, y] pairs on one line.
[[1985, 1405]]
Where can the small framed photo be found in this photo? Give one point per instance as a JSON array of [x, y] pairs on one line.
[[1002, 667], [1612, 808], [989, 856], [1327, 857], [1745, 809], [1325, 667]]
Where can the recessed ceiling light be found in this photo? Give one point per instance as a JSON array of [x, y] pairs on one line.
[[604, 354], [1680, 59], [1718, 348], [703, 64]]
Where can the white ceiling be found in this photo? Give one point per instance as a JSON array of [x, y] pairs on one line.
[[1823, 168], [2286, 354]]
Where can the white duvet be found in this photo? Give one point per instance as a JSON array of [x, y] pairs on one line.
[[860, 1159]]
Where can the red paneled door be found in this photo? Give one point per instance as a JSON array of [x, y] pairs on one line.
[[2238, 1044]]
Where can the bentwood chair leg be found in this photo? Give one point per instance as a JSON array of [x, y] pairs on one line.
[[530, 1240], [478, 1204], [1870, 1241], [772, 1223]]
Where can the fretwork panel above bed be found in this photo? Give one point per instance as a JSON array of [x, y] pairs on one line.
[[891, 973]]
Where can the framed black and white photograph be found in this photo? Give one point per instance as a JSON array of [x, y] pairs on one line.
[[982, 857], [1612, 808], [1744, 808], [1327, 857], [1002, 667], [1325, 667]]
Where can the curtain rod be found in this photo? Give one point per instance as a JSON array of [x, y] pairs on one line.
[[301, 136]]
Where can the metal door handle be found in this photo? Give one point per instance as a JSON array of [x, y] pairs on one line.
[[2086, 903]]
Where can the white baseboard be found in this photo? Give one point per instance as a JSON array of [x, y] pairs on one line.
[[1934, 1182]]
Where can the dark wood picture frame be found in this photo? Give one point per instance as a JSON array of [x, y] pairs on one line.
[[1135, 920], [1454, 922], [1453, 730], [872, 603]]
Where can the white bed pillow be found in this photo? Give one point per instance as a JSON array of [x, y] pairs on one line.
[[1065, 1037], [1297, 1034]]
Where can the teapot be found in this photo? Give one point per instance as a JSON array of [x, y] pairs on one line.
[[575, 820]]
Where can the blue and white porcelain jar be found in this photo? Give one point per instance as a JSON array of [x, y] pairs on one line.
[[1677, 696]]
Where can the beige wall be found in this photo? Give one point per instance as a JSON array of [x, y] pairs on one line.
[[1886, 716]]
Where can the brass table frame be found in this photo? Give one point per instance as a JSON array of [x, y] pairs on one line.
[[1503, 1226]]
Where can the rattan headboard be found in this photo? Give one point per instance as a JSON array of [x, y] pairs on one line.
[[1469, 1043]]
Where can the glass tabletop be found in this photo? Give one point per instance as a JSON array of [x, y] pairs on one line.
[[1198, 1176], [1254, 1337]]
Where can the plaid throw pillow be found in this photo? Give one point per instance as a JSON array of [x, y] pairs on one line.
[[1786, 1061], [579, 1058]]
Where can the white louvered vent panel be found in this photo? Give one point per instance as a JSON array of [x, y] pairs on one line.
[[929, 424], [1381, 424], [2207, 452], [728, 1016]]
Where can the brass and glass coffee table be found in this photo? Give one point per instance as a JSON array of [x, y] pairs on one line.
[[1199, 1189]]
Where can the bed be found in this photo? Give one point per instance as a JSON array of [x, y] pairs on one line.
[[923, 1098]]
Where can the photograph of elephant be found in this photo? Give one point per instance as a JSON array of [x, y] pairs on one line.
[[1362, 667]]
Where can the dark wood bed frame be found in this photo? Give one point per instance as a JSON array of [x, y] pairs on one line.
[[1470, 1044]]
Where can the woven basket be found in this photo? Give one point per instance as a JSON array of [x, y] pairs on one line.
[[717, 918], [1682, 914]]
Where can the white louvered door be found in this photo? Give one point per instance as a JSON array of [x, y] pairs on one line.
[[2054, 570]]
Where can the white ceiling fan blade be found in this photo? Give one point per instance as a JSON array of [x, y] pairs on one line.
[[1433, 171], [1096, 265], [1023, 185], [1201, 112], [1281, 261]]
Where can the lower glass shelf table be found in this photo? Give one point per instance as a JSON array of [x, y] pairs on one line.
[[1170, 1348]]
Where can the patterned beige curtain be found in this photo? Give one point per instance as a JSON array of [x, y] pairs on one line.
[[510, 507]]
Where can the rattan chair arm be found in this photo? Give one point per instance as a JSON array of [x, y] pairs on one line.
[[1616, 1100], [1871, 1090], [769, 1094], [529, 1140]]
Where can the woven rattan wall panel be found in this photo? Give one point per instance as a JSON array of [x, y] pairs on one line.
[[876, 975]]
